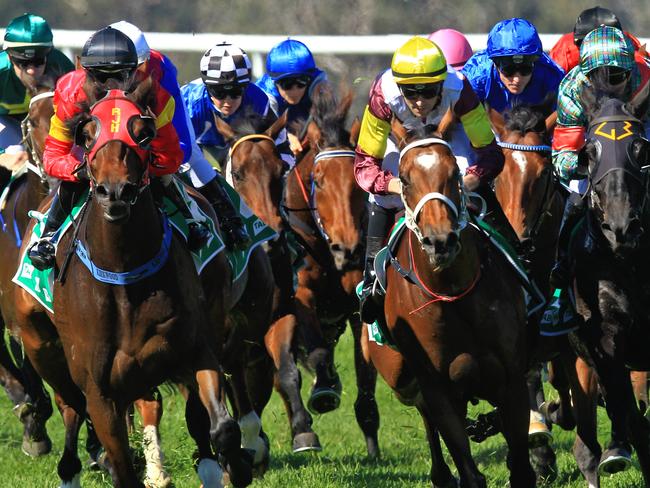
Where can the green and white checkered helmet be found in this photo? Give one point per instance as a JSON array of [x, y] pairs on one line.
[[606, 46], [27, 37]]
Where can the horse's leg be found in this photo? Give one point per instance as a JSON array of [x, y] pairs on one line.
[[561, 412], [441, 476], [584, 394], [150, 408], [278, 341], [110, 425], [515, 416], [365, 406], [69, 467]]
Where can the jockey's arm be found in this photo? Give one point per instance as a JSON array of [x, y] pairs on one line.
[[165, 147], [569, 134], [58, 159], [489, 158]]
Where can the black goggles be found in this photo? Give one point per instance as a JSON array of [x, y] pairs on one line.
[[427, 91], [616, 76], [103, 75], [510, 69], [24, 63], [289, 83], [221, 92]]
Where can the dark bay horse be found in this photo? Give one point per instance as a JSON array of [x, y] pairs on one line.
[[110, 343], [458, 321], [32, 404], [611, 288]]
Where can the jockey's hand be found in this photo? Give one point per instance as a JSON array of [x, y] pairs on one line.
[[13, 161], [294, 144], [471, 182], [394, 186], [81, 172]]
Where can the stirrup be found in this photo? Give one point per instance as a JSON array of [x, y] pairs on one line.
[[198, 236], [42, 254], [235, 234]]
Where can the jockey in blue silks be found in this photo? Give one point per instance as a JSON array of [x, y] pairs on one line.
[[224, 90], [290, 81], [513, 69]]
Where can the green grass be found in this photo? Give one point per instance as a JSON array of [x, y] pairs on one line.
[[342, 463]]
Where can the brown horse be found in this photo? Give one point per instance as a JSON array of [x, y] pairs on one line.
[[109, 343], [31, 402], [326, 210], [458, 320]]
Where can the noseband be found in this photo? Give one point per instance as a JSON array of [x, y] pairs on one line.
[[410, 216]]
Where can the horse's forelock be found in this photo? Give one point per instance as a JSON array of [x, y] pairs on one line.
[[525, 118], [250, 122], [329, 115]]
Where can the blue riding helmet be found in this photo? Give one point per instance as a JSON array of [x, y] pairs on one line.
[[289, 58], [513, 37]]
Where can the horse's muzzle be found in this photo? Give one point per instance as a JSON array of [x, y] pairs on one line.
[[116, 200], [441, 249]]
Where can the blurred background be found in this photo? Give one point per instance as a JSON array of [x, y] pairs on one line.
[[319, 17]]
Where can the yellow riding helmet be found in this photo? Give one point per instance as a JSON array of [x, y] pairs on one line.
[[419, 61]]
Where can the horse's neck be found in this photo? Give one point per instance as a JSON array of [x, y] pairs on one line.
[[455, 278], [123, 246]]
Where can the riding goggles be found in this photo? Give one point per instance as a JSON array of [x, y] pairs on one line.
[[510, 69], [25, 63], [426, 91], [220, 92], [102, 75], [289, 83]]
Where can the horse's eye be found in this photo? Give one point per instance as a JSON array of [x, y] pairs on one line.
[[237, 176], [405, 182], [318, 183]]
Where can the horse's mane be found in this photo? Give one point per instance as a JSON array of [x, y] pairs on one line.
[[143, 95], [525, 118], [250, 122], [330, 115], [423, 132]]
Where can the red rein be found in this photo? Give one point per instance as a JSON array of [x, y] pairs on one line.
[[436, 296]]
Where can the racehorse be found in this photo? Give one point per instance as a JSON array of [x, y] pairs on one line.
[[326, 210], [610, 286], [109, 343], [32, 404], [456, 314]]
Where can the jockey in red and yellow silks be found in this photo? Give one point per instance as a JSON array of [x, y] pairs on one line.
[[60, 160], [419, 89]]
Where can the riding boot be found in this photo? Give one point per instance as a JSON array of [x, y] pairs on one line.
[[496, 218], [198, 233], [231, 224], [379, 221], [43, 253], [573, 212]]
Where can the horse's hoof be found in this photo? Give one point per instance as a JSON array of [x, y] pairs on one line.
[[544, 463], [162, 480], [35, 448], [323, 400], [210, 473], [98, 461], [262, 456], [452, 483], [539, 433], [73, 483], [240, 468], [614, 460], [307, 441]]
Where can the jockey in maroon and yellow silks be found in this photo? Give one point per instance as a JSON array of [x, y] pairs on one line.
[[60, 159]]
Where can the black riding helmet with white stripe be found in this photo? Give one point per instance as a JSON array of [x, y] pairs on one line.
[[225, 65]]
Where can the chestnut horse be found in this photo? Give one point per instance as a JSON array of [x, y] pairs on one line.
[[32, 404], [109, 343], [611, 286], [458, 319]]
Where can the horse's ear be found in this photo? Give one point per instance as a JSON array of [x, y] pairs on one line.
[[224, 129], [143, 94], [550, 122], [639, 103], [354, 131], [278, 125], [313, 134], [446, 122], [77, 62], [497, 121], [399, 131], [344, 106]]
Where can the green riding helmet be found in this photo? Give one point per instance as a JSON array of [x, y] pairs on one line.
[[27, 37]]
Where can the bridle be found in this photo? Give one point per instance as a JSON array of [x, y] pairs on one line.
[[236, 144], [27, 128], [460, 212]]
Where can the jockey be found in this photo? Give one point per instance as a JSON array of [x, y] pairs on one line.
[[28, 59], [201, 173], [454, 46], [605, 50], [418, 89], [513, 69], [566, 52], [290, 81], [226, 92], [109, 61]]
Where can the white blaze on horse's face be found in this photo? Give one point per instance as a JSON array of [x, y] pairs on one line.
[[520, 158], [427, 161]]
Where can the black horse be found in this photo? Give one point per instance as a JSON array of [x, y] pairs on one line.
[[612, 269]]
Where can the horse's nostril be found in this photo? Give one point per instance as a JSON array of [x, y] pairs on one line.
[[427, 241], [101, 191], [128, 192], [335, 247], [634, 227]]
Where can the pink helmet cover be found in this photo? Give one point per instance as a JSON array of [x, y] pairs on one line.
[[454, 45]]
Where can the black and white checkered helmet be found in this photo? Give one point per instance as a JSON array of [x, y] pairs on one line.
[[225, 64]]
